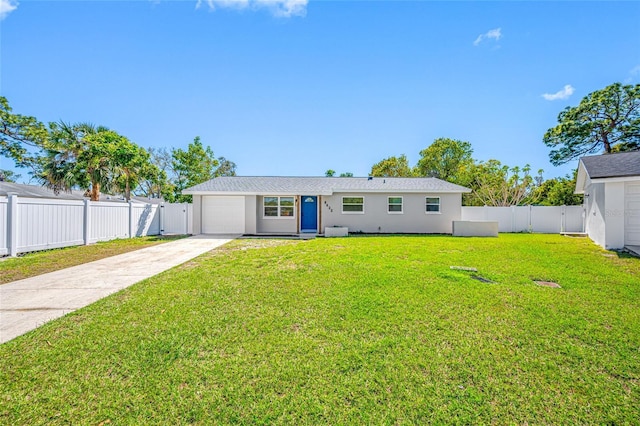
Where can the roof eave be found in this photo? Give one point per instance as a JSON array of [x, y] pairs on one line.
[[328, 193], [581, 178]]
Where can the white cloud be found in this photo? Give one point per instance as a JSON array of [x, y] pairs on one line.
[[561, 94], [494, 34], [279, 8], [6, 7]]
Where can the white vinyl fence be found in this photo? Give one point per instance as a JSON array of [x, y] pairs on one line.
[[32, 224], [541, 219]]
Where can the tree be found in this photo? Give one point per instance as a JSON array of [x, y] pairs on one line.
[[192, 166], [559, 192], [392, 167], [225, 167], [155, 182], [131, 164], [330, 173], [19, 135], [605, 119], [88, 157], [445, 159], [495, 184], [8, 176], [346, 174]]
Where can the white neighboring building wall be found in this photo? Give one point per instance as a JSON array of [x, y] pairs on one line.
[[611, 187], [607, 213]]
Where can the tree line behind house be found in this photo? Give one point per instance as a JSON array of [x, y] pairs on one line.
[[64, 156], [606, 121]]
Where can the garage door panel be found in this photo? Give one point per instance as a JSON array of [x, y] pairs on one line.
[[633, 188], [633, 220], [632, 214], [223, 215]]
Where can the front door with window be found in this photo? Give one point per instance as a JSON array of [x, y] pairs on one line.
[[309, 214]]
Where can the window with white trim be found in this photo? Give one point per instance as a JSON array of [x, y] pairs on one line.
[[432, 205], [278, 206], [394, 205], [353, 205]]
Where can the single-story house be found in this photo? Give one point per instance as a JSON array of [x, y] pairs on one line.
[[611, 187], [295, 205]]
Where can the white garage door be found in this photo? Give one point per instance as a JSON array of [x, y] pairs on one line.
[[222, 215], [632, 214]]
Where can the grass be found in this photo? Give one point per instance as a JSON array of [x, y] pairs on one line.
[[41, 262], [365, 330]]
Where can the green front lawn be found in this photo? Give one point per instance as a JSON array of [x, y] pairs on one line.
[[368, 330]]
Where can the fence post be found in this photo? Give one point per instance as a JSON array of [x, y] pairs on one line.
[[12, 221], [530, 224], [513, 218], [131, 230], [162, 218], [86, 229], [563, 219], [186, 217]]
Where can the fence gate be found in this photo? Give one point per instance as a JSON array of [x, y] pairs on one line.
[[176, 219]]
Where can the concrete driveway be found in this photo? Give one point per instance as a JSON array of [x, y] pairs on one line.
[[29, 303]]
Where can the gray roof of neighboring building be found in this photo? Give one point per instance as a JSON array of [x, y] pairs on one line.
[[620, 164], [321, 185], [35, 191]]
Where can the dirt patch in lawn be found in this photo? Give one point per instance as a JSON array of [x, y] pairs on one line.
[[547, 284]]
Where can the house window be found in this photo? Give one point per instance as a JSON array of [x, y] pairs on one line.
[[352, 204], [394, 205], [432, 205], [278, 206]]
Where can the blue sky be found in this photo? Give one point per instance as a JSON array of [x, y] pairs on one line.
[[294, 88]]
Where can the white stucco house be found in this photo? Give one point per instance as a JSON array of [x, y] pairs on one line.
[[611, 187], [298, 205]]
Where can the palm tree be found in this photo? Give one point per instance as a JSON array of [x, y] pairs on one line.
[[77, 156]]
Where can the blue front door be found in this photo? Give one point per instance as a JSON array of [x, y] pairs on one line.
[[309, 214]]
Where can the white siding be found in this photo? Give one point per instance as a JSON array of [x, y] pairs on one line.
[[614, 215], [275, 225], [250, 214], [542, 219], [108, 221], [595, 214], [377, 219], [4, 249], [41, 223], [46, 224], [146, 221]]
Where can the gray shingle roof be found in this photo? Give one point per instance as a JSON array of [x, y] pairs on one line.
[[612, 165], [34, 191], [321, 185]]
